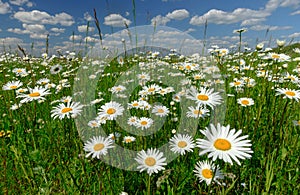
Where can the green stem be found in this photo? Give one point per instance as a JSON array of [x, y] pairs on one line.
[[148, 186]]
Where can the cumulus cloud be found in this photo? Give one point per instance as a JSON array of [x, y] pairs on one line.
[[87, 16], [295, 13], [9, 41], [75, 37], [40, 17], [116, 20], [58, 30], [294, 35], [179, 14], [35, 31], [21, 2], [83, 28], [4, 8], [160, 20]]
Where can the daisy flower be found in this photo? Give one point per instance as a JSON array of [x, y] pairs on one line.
[[20, 71], [128, 139], [11, 85], [245, 101], [93, 124], [223, 143], [296, 123], [289, 93], [43, 81], [181, 144], [72, 109], [118, 89], [36, 93], [152, 89], [98, 146], [144, 123], [111, 110], [160, 111], [152, 161], [208, 172], [132, 121], [55, 69], [206, 97], [197, 112]]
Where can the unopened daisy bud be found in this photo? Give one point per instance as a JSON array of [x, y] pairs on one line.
[[280, 43]]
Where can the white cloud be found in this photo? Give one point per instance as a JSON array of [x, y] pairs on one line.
[[179, 14], [221, 17], [261, 27], [83, 28], [294, 35], [40, 17], [252, 21], [160, 20], [90, 39], [116, 20], [290, 3], [88, 17], [20, 2], [296, 12], [75, 37], [35, 28], [58, 30], [4, 8], [9, 41], [35, 31]]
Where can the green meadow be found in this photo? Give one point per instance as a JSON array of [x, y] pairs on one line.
[[44, 149]]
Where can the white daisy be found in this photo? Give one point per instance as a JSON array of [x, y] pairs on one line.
[[206, 97], [245, 101], [207, 171], [132, 120], [11, 85], [93, 123], [118, 89], [36, 93], [160, 110], [72, 109], [111, 110], [55, 69], [144, 123], [181, 144], [98, 146], [128, 139], [197, 112], [152, 161], [289, 93], [223, 143]]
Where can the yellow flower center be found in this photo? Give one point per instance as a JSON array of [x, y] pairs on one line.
[[150, 161], [111, 111], [290, 93], [127, 140], [13, 87], [35, 94], [98, 147], [19, 70], [207, 173], [160, 110], [202, 97], [65, 110], [236, 83], [196, 112], [245, 102], [188, 67], [275, 56], [182, 144], [151, 89], [135, 104], [144, 123], [222, 144]]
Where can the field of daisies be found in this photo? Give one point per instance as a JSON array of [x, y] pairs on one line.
[[224, 123]]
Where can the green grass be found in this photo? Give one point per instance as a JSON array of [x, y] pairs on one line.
[[45, 156]]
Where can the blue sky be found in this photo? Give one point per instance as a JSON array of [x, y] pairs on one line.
[[25, 22]]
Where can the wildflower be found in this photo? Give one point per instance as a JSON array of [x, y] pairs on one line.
[[206, 97], [152, 161], [208, 172], [160, 111], [11, 85], [128, 139], [20, 71], [55, 69], [280, 43], [132, 121], [181, 144], [289, 93], [259, 46], [72, 109], [245, 101], [111, 110], [144, 123], [118, 89], [43, 81], [296, 123], [197, 112], [98, 146], [36, 93], [223, 143], [93, 123]]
